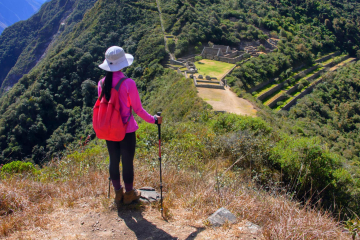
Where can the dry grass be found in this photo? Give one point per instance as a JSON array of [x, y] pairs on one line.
[[279, 217], [26, 201]]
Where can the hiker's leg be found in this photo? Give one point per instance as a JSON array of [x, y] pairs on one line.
[[127, 149], [114, 153]]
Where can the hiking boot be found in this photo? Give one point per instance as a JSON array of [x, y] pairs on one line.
[[131, 196], [119, 194]]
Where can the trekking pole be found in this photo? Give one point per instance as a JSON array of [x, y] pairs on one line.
[[109, 188], [161, 198]]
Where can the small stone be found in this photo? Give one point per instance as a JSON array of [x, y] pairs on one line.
[[82, 223], [221, 216], [249, 227]]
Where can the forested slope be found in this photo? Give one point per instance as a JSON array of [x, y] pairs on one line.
[[332, 111], [23, 44], [51, 106]]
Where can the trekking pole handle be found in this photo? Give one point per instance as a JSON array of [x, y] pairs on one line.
[[159, 114]]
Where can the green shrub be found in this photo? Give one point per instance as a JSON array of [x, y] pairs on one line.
[[171, 45], [311, 170], [232, 122], [246, 55], [198, 58], [18, 167]]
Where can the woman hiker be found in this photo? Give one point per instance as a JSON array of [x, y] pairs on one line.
[[115, 60]]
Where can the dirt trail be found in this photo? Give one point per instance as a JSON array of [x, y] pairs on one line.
[[130, 222], [226, 100]]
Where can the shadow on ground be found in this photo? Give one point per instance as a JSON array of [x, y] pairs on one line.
[[145, 230]]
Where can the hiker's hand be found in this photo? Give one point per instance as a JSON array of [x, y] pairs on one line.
[[159, 119]]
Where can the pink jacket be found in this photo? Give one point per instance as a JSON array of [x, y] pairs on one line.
[[129, 96]]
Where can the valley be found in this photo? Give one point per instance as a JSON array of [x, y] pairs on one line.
[[261, 111]]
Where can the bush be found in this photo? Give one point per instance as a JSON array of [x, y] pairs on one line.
[[311, 170], [171, 45], [246, 55], [304, 82], [261, 48], [18, 167], [198, 58]]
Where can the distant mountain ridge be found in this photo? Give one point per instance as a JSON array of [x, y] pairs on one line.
[[17, 10]]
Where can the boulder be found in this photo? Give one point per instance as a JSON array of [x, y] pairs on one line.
[[221, 216], [208, 78]]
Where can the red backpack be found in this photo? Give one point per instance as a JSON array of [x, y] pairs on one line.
[[107, 121]]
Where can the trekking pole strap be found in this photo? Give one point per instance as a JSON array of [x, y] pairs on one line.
[[109, 189]]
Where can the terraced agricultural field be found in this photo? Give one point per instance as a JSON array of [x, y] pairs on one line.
[[277, 94], [295, 95]]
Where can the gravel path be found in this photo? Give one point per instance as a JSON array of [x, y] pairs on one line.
[[226, 100]]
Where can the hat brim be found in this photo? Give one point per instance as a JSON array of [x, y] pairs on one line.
[[129, 59]]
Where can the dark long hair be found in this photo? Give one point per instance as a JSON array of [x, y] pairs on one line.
[[107, 86]]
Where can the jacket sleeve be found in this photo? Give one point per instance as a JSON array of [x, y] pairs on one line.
[[135, 102]]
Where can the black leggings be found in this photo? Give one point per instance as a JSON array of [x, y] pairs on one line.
[[126, 149]]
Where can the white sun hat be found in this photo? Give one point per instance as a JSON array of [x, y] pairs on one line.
[[116, 59]]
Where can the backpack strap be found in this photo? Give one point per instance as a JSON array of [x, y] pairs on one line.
[[117, 87]]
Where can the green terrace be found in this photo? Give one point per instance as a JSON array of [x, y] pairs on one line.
[[272, 85], [287, 87], [277, 94], [337, 58], [297, 92]]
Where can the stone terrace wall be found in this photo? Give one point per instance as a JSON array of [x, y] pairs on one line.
[[323, 59], [274, 103], [211, 86], [273, 90], [174, 62], [261, 85], [270, 81], [307, 91]]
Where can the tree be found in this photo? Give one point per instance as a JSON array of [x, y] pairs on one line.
[[261, 48], [171, 45]]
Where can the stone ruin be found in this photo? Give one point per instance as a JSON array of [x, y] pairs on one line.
[[191, 67], [222, 53]]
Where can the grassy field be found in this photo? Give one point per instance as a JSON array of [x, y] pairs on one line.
[[213, 68]]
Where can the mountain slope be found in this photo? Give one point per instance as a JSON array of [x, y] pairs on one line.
[[56, 83], [51, 106], [23, 44], [16, 10]]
